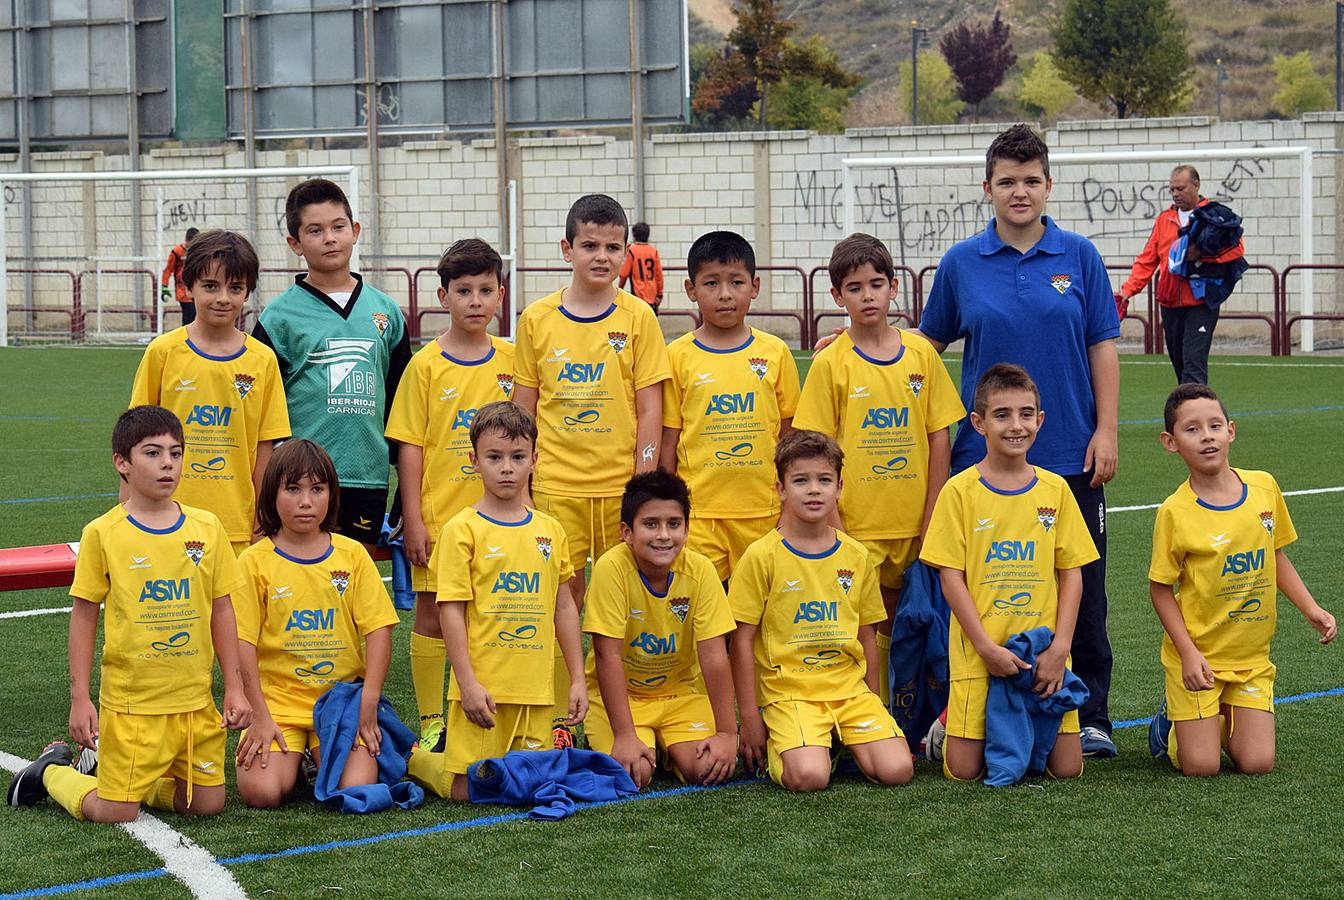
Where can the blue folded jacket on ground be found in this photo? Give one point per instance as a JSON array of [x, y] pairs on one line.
[[917, 665], [336, 719], [1020, 725], [553, 782]]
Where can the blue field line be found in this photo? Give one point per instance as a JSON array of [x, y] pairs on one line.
[[54, 499], [1234, 415], [440, 828], [1278, 701]]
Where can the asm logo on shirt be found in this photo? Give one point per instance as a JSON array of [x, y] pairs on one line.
[[581, 373], [728, 404]]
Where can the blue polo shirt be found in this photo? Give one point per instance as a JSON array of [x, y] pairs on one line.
[[1041, 310]]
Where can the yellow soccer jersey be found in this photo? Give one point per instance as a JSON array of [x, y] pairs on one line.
[[659, 631], [586, 371], [881, 412], [158, 588], [1221, 561], [1009, 544], [508, 574], [728, 405], [433, 409], [227, 405], [807, 609], [308, 618]]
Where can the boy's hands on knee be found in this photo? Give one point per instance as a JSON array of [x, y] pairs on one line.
[[255, 744], [478, 705], [1050, 669], [578, 701], [717, 756], [415, 541], [1196, 674], [1323, 622], [637, 757], [1002, 662], [84, 723], [751, 735], [237, 710]]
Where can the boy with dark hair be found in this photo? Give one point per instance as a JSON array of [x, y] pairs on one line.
[[804, 655], [884, 394], [1010, 541], [655, 611], [224, 385], [342, 346], [590, 365], [164, 571], [1025, 291], [733, 392], [503, 574], [643, 269], [447, 381], [1218, 564]]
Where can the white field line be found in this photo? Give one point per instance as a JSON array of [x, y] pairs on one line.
[[1240, 365], [25, 613], [1120, 509], [186, 861]]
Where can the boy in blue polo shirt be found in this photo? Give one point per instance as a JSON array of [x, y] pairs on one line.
[[1025, 291]]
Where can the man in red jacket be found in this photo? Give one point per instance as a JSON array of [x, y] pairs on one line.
[[173, 270], [1187, 321]]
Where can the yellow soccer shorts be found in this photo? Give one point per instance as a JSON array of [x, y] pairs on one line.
[[966, 698], [517, 727], [790, 724], [1246, 688], [660, 722], [592, 524], [135, 751], [891, 557], [422, 580], [725, 540]]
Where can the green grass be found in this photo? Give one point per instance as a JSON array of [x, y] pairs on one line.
[[1128, 826]]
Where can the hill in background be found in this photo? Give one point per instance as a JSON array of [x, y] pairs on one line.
[[872, 37]]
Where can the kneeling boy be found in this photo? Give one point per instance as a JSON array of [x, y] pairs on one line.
[[164, 572], [807, 604], [503, 576], [1010, 542], [654, 610]]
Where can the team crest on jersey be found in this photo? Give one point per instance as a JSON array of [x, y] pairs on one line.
[[505, 380], [680, 606], [759, 366], [1267, 520], [617, 340], [1061, 283], [915, 382], [380, 322], [844, 578], [340, 580], [243, 383], [195, 550], [544, 545], [1046, 516]]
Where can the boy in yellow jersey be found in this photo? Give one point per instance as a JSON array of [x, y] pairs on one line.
[[654, 612], [165, 572], [1010, 541], [732, 393], [804, 655], [1217, 567], [503, 574], [312, 611], [590, 365], [445, 383], [884, 394], [224, 385]]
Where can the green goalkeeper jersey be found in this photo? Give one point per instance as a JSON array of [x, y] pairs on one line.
[[340, 367]]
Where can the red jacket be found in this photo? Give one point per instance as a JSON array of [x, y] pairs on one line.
[[1172, 290], [176, 257], [644, 270]]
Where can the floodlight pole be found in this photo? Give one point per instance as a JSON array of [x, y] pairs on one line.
[[1218, 80], [636, 110], [1339, 55], [917, 38]]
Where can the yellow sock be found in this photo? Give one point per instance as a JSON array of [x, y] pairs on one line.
[[69, 788], [162, 794], [883, 661], [560, 711], [428, 769], [429, 663]]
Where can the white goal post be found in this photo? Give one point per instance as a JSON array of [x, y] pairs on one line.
[[1302, 154], [350, 174]]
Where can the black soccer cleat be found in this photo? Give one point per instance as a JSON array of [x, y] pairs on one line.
[[27, 788]]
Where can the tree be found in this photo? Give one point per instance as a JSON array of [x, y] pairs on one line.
[[727, 90], [759, 36], [1300, 89], [938, 103], [1132, 54], [979, 57], [815, 92], [1043, 90]]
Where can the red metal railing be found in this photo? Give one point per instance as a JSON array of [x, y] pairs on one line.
[[1286, 322]]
